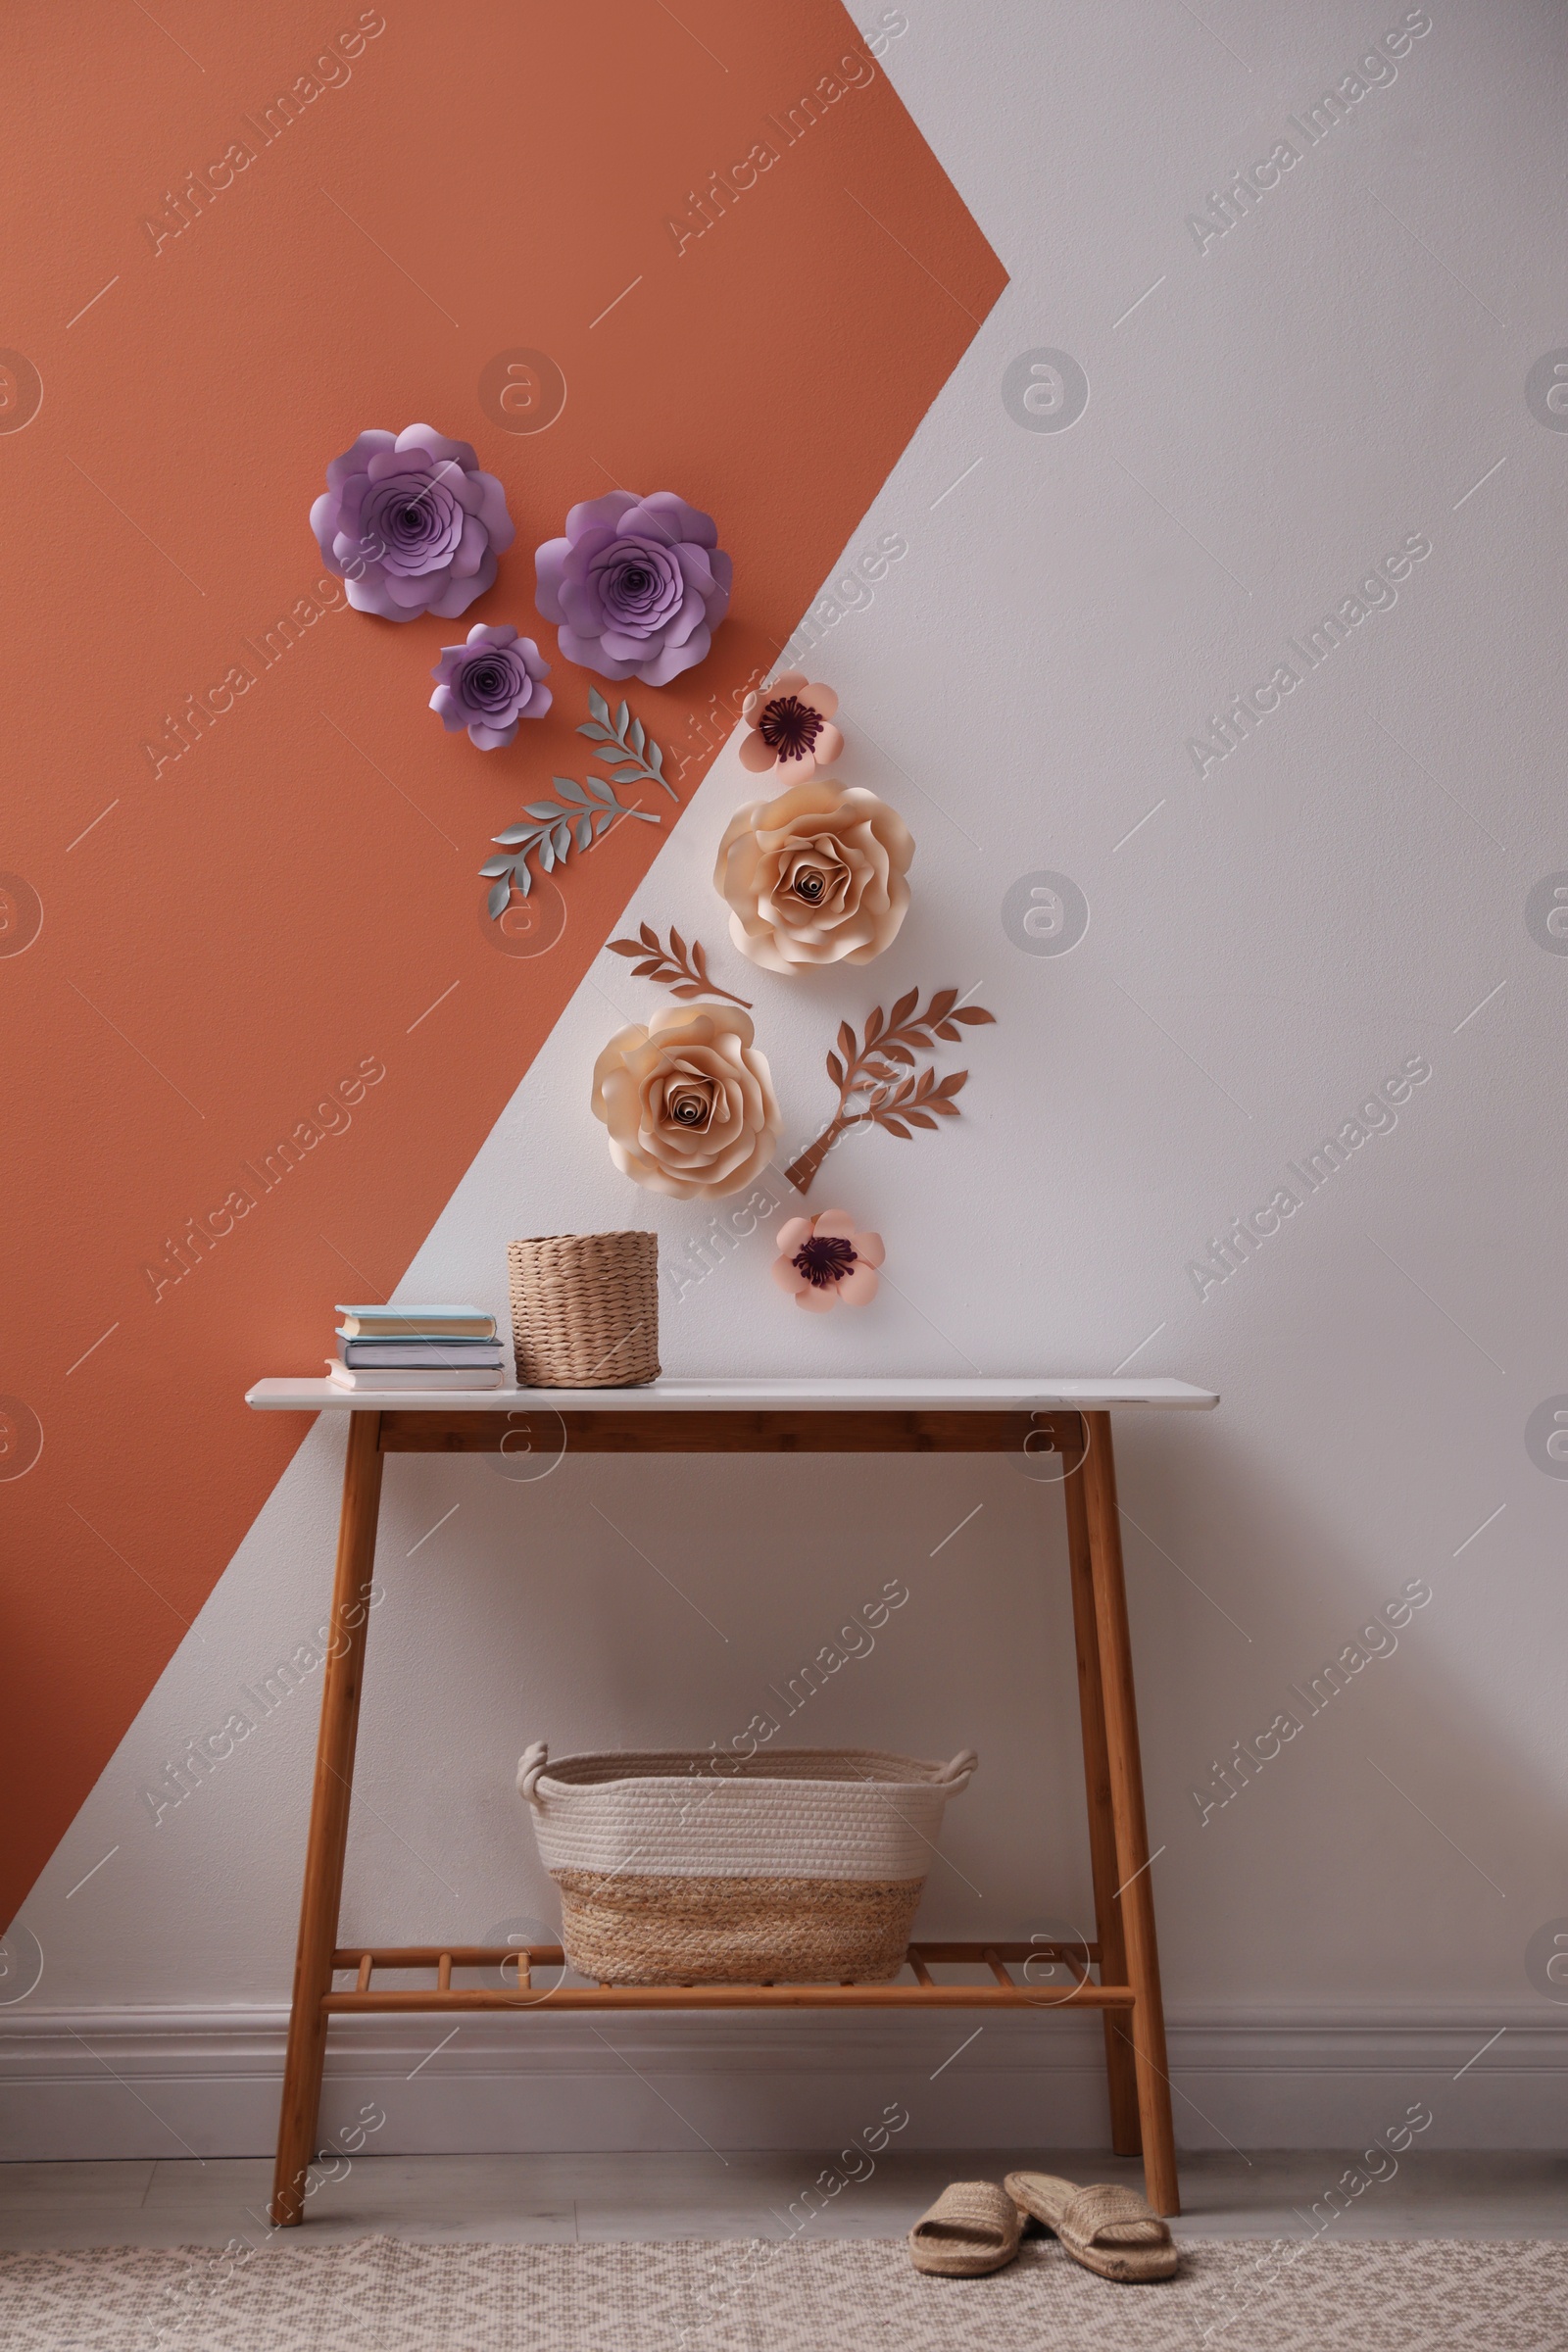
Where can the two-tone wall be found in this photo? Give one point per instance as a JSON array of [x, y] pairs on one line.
[[1254, 654]]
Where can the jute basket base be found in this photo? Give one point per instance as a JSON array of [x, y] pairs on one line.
[[669, 1930]]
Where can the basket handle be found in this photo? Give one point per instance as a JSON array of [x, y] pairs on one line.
[[530, 1764], [955, 1777]]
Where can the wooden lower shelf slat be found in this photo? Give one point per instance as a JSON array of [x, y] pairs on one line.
[[739, 1996], [551, 1955], [925, 1993]]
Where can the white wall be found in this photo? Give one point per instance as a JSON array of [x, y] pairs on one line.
[[1337, 895]]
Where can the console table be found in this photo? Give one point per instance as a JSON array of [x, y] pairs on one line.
[[1067, 1418]]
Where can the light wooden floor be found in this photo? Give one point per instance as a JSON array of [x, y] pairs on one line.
[[741, 2194]]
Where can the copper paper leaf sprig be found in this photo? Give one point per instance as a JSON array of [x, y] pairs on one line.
[[551, 834], [876, 1080], [634, 757], [681, 969]]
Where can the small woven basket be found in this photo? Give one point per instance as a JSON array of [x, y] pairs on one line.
[[585, 1309], [794, 1867]]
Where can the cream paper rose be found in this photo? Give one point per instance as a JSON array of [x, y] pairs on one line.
[[689, 1103], [815, 876]]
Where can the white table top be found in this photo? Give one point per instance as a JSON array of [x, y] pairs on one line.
[[876, 1394]]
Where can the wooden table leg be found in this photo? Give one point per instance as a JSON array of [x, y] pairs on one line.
[[329, 1818], [1137, 1901], [1120, 2073]]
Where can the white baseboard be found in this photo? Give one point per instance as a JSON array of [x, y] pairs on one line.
[[189, 2081]]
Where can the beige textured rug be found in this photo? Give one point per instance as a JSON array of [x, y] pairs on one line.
[[385, 2294]]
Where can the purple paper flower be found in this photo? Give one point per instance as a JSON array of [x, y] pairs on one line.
[[412, 524], [489, 683], [637, 586]]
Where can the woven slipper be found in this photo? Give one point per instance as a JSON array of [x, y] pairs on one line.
[[975, 2226], [1109, 2229]]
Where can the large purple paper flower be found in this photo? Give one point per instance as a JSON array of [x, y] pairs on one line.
[[489, 683], [412, 524], [637, 586]]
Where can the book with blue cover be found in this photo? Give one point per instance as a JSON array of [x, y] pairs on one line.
[[420, 1355]]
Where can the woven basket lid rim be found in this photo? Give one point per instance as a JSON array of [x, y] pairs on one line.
[[624, 1232], [919, 1776]]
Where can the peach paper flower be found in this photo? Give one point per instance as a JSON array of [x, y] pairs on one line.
[[789, 727], [689, 1103], [814, 877], [823, 1260]]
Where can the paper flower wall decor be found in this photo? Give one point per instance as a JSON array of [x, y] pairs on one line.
[[876, 1081], [412, 523], [633, 754], [789, 728], [636, 587], [553, 828], [688, 1102], [815, 877], [489, 684], [586, 813], [823, 1262], [681, 969]]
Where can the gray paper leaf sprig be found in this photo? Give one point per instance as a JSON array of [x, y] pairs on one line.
[[630, 740], [585, 813], [553, 832]]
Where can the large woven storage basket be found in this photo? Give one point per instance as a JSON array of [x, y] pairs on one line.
[[692, 1868], [585, 1309]]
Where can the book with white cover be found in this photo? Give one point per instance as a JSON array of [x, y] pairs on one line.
[[414, 1383]]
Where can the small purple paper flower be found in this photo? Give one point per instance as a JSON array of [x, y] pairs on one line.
[[489, 683], [637, 586], [412, 524]]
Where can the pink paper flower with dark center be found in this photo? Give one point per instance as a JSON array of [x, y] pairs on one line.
[[412, 524], [636, 587], [824, 1262], [789, 726], [490, 683]]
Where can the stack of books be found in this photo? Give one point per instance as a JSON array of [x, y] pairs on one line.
[[433, 1347]]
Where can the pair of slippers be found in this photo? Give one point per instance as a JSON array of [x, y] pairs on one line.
[[975, 2226]]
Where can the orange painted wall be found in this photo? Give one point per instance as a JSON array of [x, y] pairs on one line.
[[226, 939]]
